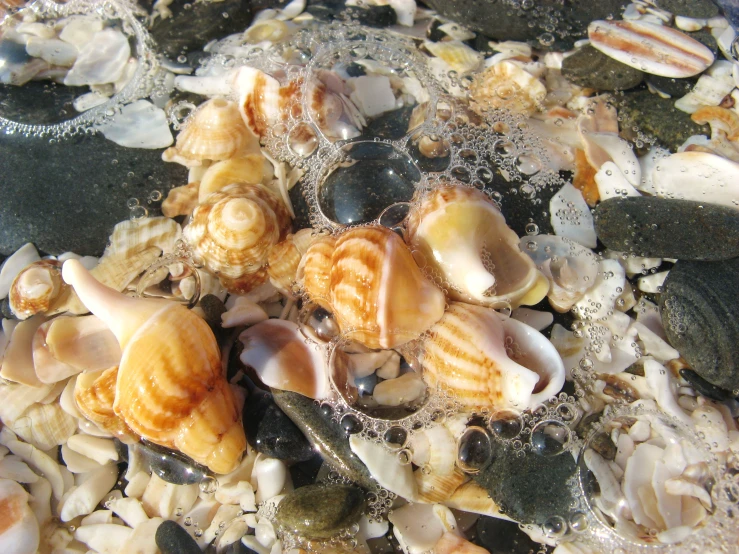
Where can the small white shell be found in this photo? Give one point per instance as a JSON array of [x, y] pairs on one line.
[[385, 467], [571, 217], [133, 236]]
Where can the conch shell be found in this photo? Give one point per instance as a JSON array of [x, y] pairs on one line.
[[35, 288], [170, 387], [234, 229], [374, 287], [460, 233], [479, 357]]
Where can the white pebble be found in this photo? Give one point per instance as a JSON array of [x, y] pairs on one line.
[[271, 475]]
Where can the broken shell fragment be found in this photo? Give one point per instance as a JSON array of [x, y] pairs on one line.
[[250, 169], [35, 288], [505, 85], [284, 259], [19, 529], [94, 395]]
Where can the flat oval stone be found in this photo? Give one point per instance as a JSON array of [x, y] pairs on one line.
[[320, 512], [699, 307], [668, 228], [173, 539], [588, 67], [171, 466]]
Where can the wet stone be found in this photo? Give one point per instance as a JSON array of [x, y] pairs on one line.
[[668, 228], [373, 16], [704, 387], [676, 88], [305, 473], [590, 68], [213, 308], [320, 512], [271, 432], [657, 117], [699, 9], [503, 537], [531, 488], [604, 446], [171, 466], [173, 539], [698, 307]]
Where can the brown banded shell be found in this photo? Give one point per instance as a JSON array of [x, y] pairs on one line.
[[35, 288], [245, 283], [375, 289], [234, 229], [314, 271], [94, 395], [181, 200], [170, 387], [284, 259], [459, 232], [262, 101]]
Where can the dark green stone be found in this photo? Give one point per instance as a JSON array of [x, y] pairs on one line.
[[532, 488], [320, 512], [668, 228], [699, 9], [657, 117], [590, 68], [699, 308]]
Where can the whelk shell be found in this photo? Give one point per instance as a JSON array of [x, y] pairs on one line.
[[472, 352], [170, 387], [35, 288], [458, 231], [654, 49], [375, 289], [233, 230]]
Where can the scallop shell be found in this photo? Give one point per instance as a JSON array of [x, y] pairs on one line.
[[655, 49], [181, 200], [375, 289], [476, 355], [233, 231], [214, 131], [170, 387], [505, 85], [35, 288], [251, 170], [284, 259], [460, 233], [457, 54], [94, 395]]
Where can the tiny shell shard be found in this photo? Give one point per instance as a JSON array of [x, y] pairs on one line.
[[654, 49], [19, 529]]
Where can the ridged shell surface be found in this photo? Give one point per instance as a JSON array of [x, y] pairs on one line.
[[655, 49], [314, 271], [35, 288], [233, 231], [94, 394], [507, 86]]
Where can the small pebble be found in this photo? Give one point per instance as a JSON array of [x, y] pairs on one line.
[[171, 466], [320, 512], [213, 309], [590, 68], [503, 537], [173, 539]]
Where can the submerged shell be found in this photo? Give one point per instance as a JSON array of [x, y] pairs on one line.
[[250, 169], [284, 259], [131, 237], [35, 288], [375, 289], [19, 529], [505, 85], [457, 54], [44, 425], [170, 387], [314, 270], [233, 231], [655, 49], [462, 234], [262, 102], [181, 200], [94, 395], [476, 355]]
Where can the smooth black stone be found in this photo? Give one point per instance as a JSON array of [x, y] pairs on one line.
[[731, 11], [506, 20], [529, 489], [173, 539], [699, 9], [699, 308], [590, 68], [657, 117], [73, 199], [373, 16], [271, 432], [500, 536], [213, 308], [676, 88], [194, 27], [171, 466], [604, 446], [300, 207], [326, 10], [327, 437], [668, 228], [320, 512], [704, 387], [305, 473]]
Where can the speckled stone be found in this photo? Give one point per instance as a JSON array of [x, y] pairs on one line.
[[699, 9], [213, 308], [699, 308], [668, 228], [320, 512], [590, 68], [704, 387], [173, 539]]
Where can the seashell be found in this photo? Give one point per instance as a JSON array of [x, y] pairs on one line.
[[375, 289], [440, 476], [20, 259], [17, 363], [314, 270], [283, 359], [460, 57], [449, 543], [458, 32], [458, 231], [44, 425], [584, 179], [170, 387], [284, 258], [262, 101], [251, 170], [271, 30], [710, 90], [651, 48], [406, 389], [243, 313], [697, 176], [94, 395], [721, 120], [181, 200], [246, 283], [601, 148], [385, 467], [418, 527], [214, 131], [477, 356], [35, 287], [19, 529], [84, 499], [16, 399], [233, 231], [505, 85], [612, 183], [101, 536], [571, 217], [133, 236]]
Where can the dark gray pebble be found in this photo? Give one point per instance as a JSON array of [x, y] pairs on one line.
[[699, 9], [590, 68], [668, 228], [704, 387], [503, 537], [320, 512], [213, 308], [171, 466], [699, 308], [173, 539]]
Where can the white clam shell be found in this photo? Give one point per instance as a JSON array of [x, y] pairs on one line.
[[385, 467], [571, 217], [612, 183]]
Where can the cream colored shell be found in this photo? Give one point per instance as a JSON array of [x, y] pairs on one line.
[[35, 288], [505, 85]]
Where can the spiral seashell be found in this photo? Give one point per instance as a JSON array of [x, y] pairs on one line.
[[94, 395], [170, 387], [284, 259], [476, 355], [233, 231], [181, 200], [375, 289], [462, 234], [245, 283], [214, 132], [35, 288], [314, 271]]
